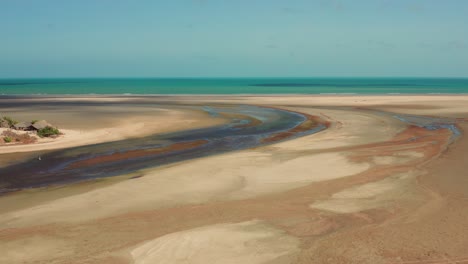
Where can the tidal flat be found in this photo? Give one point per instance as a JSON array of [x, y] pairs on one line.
[[251, 179]]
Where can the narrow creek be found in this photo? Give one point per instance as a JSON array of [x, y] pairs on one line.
[[249, 126]]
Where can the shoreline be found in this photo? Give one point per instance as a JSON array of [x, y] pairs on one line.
[[15, 96], [130, 128], [243, 131]]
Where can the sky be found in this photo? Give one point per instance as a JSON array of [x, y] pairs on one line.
[[225, 38]]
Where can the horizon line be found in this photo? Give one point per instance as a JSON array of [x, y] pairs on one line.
[[242, 77]]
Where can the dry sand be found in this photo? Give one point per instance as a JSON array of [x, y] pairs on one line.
[[247, 242], [118, 125], [363, 191]]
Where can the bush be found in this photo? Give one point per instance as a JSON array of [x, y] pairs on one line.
[[11, 121], [11, 136], [48, 132]]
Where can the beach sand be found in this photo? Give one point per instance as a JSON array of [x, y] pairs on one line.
[[88, 123], [368, 189]]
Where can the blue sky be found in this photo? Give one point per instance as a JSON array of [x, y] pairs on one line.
[[224, 38]]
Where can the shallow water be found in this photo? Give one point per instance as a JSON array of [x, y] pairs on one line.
[[431, 123], [123, 157]]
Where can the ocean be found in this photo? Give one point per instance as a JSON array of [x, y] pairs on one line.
[[137, 86]]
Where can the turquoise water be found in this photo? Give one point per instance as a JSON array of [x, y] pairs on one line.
[[235, 86]]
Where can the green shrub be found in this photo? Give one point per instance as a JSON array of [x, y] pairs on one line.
[[48, 132], [34, 121], [7, 139], [11, 121]]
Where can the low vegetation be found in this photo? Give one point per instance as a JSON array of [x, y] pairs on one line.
[[10, 136], [11, 122], [25, 132], [48, 132]]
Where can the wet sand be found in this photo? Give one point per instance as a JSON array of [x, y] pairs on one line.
[[132, 155], [372, 188]]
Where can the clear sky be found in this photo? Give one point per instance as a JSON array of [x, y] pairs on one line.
[[227, 38]]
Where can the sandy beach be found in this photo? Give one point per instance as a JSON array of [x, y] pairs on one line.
[[385, 182]]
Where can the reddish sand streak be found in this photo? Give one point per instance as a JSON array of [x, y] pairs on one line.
[[137, 153]]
